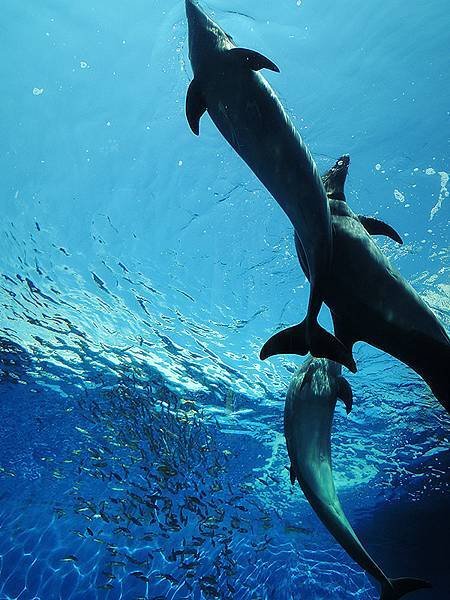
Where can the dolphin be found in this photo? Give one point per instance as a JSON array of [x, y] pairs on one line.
[[334, 181], [308, 417], [249, 115], [370, 301]]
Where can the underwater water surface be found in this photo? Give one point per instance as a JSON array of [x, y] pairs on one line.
[[142, 452]]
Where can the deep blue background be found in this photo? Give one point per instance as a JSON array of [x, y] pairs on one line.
[[128, 246]]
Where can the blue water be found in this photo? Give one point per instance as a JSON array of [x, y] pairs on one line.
[[141, 443]]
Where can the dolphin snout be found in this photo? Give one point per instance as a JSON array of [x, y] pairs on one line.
[[194, 13], [343, 161]]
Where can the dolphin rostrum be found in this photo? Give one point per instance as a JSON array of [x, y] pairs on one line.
[[247, 112], [334, 182], [308, 417], [370, 301]]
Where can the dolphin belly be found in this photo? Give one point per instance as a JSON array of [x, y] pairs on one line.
[[247, 112], [370, 301], [308, 417]]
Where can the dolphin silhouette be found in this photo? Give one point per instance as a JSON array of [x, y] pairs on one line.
[[308, 417], [247, 112], [369, 300]]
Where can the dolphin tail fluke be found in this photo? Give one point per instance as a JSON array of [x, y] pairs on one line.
[[294, 340], [343, 331], [325, 345], [397, 588]]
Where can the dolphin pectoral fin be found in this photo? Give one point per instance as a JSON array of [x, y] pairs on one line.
[[293, 340], [345, 393], [253, 60], [397, 588], [377, 227], [195, 106], [292, 474]]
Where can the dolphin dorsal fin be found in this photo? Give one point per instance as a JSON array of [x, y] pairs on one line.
[[377, 227], [345, 393], [195, 106], [252, 59]]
